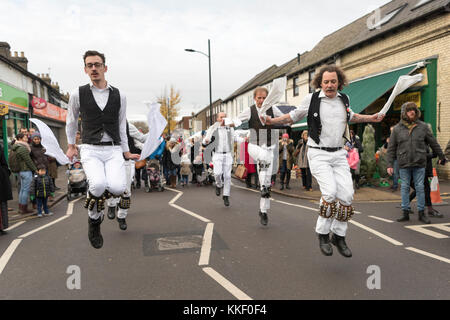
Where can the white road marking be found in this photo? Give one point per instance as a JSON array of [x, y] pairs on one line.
[[8, 253], [424, 229], [442, 226], [231, 288], [431, 255], [381, 219], [379, 234], [43, 227], [15, 225], [206, 247]]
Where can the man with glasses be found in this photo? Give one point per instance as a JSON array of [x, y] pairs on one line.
[[102, 109]]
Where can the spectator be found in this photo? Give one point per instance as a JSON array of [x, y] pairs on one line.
[[5, 192], [41, 189], [38, 151], [285, 159], [407, 144], [250, 165], [353, 160], [428, 174], [185, 169], [356, 144], [53, 171], [170, 167], [27, 167], [302, 161]]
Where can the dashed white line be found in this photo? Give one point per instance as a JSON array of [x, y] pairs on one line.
[[379, 234], [8, 253], [231, 288], [206, 247], [381, 219], [15, 225]]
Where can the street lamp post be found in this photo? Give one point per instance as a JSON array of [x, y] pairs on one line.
[[210, 90]]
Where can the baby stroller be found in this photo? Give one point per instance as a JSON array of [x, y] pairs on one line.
[[209, 179], [154, 175], [76, 180]]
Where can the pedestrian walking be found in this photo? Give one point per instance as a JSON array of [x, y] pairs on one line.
[[301, 154], [221, 146], [408, 144], [286, 160], [5, 192], [353, 160], [41, 189], [26, 166], [329, 114], [357, 145], [102, 109]]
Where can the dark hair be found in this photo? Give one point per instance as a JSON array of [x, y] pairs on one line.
[[41, 166], [342, 79], [20, 136], [91, 53]]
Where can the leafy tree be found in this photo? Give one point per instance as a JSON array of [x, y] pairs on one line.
[[169, 108]]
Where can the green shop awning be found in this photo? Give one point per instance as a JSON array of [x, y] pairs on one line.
[[363, 92]]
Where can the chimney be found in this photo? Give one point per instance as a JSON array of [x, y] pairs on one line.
[[5, 50], [21, 61], [46, 78], [55, 86], [298, 58]]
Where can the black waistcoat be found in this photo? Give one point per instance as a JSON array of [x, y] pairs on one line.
[[94, 121], [131, 144], [256, 135], [314, 123]]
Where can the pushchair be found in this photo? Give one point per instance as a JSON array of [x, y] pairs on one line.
[[76, 180], [154, 175], [209, 179]]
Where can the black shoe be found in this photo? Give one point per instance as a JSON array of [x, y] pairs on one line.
[[138, 185], [282, 187], [226, 201], [111, 212], [434, 213], [405, 216], [264, 218], [339, 242], [122, 223], [324, 244], [95, 237], [424, 217], [218, 191]]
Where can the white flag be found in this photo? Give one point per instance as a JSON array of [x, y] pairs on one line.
[[276, 95], [156, 124], [49, 142], [403, 83]]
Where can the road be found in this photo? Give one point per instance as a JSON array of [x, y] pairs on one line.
[[185, 244]]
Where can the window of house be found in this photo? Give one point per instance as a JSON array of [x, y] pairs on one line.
[[241, 105], [296, 88], [388, 17]]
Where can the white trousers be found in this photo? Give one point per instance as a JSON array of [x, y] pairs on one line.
[[114, 201], [332, 172], [222, 166], [105, 170], [264, 157]]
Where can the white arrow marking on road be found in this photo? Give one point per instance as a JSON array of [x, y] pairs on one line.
[[431, 255], [424, 229], [231, 288]]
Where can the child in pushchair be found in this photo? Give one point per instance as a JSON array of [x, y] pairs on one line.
[[76, 180], [154, 175]]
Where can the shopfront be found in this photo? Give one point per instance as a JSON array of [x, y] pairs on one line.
[[13, 114]]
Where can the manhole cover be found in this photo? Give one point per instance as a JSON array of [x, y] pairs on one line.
[[179, 243]]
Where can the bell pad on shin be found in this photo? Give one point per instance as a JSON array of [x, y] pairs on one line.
[[265, 192], [324, 206], [344, 213], [125, 202]]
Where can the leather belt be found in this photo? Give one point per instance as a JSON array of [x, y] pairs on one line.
[[104, 143], [326, 149], [223, 152]]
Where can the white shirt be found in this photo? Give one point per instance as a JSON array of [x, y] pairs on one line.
[[138, 137], [333, 117], [247, 113], [101, 98], [223, 145]]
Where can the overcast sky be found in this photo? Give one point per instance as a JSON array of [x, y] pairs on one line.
[[144, 41]]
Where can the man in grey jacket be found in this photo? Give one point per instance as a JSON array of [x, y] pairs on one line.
[[408, 144]]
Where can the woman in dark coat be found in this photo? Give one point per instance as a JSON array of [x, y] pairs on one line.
[[38, 151], [5, 192]]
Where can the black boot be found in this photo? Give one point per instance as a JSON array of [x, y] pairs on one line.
[[111, 212], [405, 216], [95, 237], [226, 201], [324, 244], [339, 242], [424, 217], [122, 223], [138, 184], [287, 186], [264, 218], [218, 191]]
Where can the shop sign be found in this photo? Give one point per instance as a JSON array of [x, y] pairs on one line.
[[3, 109], [407, 97], [45, 109]]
